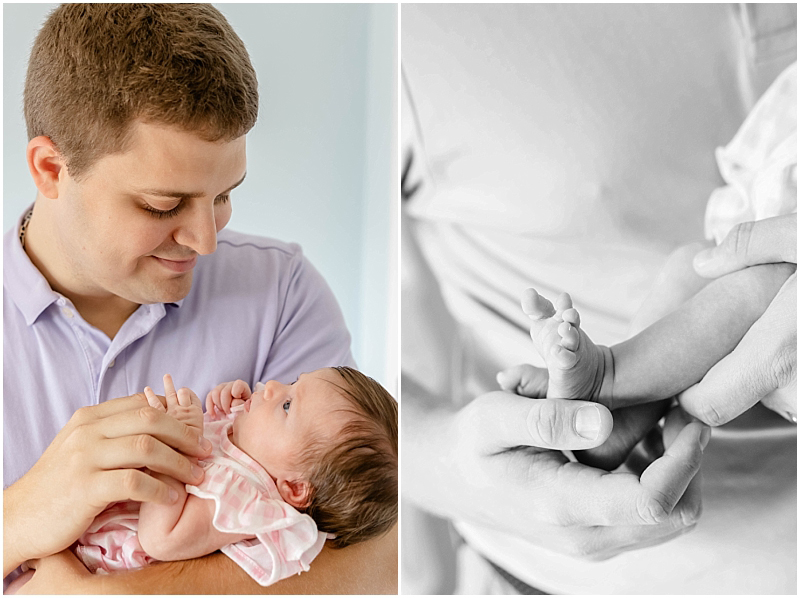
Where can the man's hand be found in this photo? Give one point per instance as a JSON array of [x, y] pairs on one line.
[[96, 459], [765, 361], [767, 241], [61, 573], [631, 424], [496, 463]]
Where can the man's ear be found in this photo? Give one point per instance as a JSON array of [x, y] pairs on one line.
[[296, 492], [46, 165]]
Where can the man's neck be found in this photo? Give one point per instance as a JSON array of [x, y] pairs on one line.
[[105, 312]]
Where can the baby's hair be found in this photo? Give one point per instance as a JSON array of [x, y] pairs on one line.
[[354, 483]]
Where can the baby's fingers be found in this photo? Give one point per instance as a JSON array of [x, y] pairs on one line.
[[153, 400], [187, 398], [524, 380], [240, 390], [169, 391]]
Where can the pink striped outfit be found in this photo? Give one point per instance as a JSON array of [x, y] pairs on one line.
[[246, 502]]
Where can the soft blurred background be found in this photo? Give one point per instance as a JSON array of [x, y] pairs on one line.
[[321, 159]]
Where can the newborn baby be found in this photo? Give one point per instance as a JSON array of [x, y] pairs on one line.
[[292, 465]]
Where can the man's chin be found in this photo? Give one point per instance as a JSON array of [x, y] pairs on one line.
[[170, 290]]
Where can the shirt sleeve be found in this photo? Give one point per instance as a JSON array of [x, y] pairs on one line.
[[311, 332]]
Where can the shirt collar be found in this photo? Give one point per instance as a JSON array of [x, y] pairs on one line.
[[23, 282], [27, 287]]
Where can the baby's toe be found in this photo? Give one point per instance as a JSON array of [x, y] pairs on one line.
[[569, 336], [536, 306], [563, 303], [563, 358], [572, 316]]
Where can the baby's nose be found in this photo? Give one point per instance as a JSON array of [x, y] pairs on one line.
[[273, 389]]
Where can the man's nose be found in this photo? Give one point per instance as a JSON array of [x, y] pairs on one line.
[[199, 230]]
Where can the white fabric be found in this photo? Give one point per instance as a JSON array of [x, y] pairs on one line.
[[760, 164]]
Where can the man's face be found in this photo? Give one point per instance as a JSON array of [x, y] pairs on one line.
[[134, 226]]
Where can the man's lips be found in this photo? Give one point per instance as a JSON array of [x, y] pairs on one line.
[[177, 265]]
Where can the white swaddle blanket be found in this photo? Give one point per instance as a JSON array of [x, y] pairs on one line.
[[760, 164]]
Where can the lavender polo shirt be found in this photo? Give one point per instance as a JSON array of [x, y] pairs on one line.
[[258, 310]]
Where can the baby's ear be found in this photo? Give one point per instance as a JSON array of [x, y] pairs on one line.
[[296, 492]]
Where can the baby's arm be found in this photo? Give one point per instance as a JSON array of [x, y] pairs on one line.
[[183, 530], [677, 351]]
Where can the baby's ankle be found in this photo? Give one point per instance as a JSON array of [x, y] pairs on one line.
[[604, 385]]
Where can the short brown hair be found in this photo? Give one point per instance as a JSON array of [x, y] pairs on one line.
[[354, 484], [96, 68]]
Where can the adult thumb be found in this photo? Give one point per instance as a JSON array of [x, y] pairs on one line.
[[506, 421], [768, 241]]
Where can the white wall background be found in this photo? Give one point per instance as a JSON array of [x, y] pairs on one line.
[[321, 160]]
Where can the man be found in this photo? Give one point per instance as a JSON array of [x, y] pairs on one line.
[[136, 117]]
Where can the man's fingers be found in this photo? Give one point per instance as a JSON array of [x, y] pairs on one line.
[[132, 484], [161, 426], [667, 477], [631, 424], [524, 380], [587, 496], [133, 452], [764, 360], [505, 420], [763, 242]]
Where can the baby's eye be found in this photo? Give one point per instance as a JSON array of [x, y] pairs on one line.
[[286, 405]]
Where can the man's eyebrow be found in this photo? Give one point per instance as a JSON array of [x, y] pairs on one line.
[[190, 195]]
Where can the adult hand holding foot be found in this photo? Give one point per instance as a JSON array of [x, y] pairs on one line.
[[503, 448], [763, 367], [92, 462]]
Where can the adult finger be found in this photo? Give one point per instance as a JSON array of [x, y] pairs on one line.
[[763, 361], [503, 420], [131, 484], [524, 380], [148, 421], [631, 424], [587, 496], [766, 241], [131, 452]]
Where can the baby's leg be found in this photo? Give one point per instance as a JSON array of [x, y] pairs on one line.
[[676, 283], [575, 365]]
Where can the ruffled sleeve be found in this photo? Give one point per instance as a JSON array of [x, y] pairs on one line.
[[246, 501]]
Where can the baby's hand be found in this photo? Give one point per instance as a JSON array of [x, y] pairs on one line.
[[226, 395], [184, 405]]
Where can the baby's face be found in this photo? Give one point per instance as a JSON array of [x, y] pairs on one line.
[[280, 421]]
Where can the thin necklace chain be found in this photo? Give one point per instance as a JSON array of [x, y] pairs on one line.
[[24, 226]]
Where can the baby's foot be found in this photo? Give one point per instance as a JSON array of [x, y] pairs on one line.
[[575, 365]]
